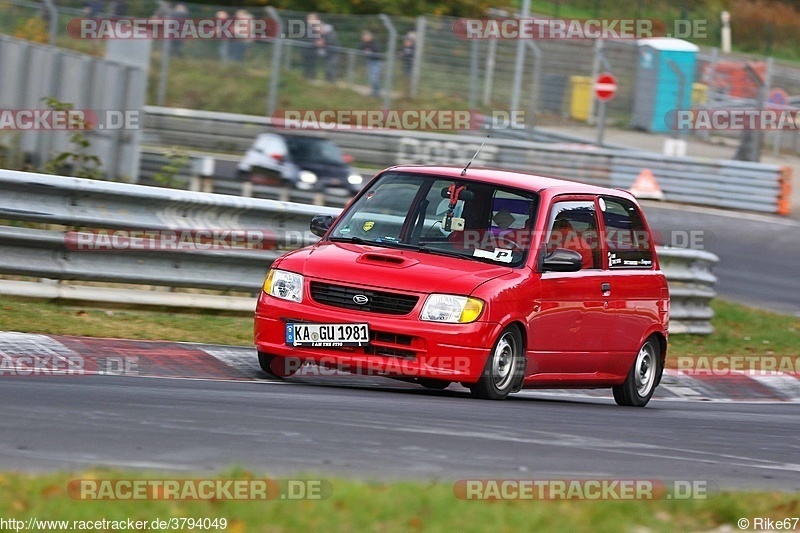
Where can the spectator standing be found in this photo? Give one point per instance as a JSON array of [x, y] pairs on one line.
[[118, 8], [224, 42], [164, 10], [238, 46], [372, 52], [180, 13], [407, 53], [332, 50], [312, 42], [94, 8]]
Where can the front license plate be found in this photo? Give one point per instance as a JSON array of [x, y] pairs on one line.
[[327, 335]]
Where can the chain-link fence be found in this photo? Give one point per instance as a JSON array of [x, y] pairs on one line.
[[417, 63]]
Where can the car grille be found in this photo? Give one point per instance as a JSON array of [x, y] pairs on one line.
[[388, 303], [391, 345]]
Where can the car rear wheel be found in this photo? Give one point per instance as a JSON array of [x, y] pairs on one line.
[[640, 384], [278, 367], [504, 368]]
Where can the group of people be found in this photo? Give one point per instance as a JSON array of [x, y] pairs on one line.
[[321, 44], [233, 49]]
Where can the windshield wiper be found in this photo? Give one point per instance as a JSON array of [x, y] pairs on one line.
[[354, 240], [420, 248], [402, 245]]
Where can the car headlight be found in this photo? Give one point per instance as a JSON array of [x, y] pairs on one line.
[[306, 176], [451, 308], [355, 179], [284, 285]]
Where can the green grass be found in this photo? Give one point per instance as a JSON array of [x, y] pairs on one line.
[[739, 330], [39, 316], [391, 506], [193, 83]]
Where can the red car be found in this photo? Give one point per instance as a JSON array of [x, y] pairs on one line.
[[494, 279]]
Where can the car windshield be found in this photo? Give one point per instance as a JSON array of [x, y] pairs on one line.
[[467, 219], [313, 149]]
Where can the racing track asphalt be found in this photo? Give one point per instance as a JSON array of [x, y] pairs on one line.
[[759, 255], [387, 429]]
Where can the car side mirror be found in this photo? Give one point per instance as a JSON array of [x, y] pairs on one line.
[[562, 260], [320, 224]]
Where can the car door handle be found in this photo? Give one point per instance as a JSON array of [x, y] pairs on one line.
[[605, 287]]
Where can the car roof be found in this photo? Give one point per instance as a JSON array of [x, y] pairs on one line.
[[511, 178]]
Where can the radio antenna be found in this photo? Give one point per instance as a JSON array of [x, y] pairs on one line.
[[463, 172]]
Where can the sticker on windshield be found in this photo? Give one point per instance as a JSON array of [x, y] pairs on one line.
[[498, 254], [368, 225], [345, 230]]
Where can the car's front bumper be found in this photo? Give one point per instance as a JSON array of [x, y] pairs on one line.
[[400, 346]]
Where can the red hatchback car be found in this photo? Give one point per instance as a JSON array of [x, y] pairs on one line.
[[494, 279]]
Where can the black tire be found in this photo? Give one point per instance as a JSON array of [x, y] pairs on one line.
[[278, 367], [505, 367], [642, 378], [433, 384]]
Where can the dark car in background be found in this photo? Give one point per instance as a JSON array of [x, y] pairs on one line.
[[301, 162]]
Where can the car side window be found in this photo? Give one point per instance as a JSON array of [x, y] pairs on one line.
[[573, 226], [626, 238]]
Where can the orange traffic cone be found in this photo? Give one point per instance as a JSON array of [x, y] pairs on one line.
[[646, 186]]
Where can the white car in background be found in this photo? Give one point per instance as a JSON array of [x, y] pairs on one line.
[[299, 161]]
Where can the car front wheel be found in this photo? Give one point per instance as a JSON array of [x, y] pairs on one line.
[[504, 368], [640, 384]]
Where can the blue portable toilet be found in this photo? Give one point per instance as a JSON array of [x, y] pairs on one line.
[[658, 84]]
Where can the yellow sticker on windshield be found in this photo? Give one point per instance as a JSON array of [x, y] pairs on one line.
[[368, 225]]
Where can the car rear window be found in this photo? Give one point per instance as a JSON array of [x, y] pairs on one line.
[[628, 241]]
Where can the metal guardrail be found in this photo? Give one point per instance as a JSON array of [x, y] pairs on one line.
[[691, 288], [225, 181], [720, 183], [66, 205]]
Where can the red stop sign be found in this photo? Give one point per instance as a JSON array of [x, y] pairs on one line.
[[605, 87]]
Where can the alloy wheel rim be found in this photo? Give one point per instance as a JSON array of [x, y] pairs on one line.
[[503, 361], [645, 370]]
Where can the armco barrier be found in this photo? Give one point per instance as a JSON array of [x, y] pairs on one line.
[[153, 161], [720, 183], [80, 205]]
